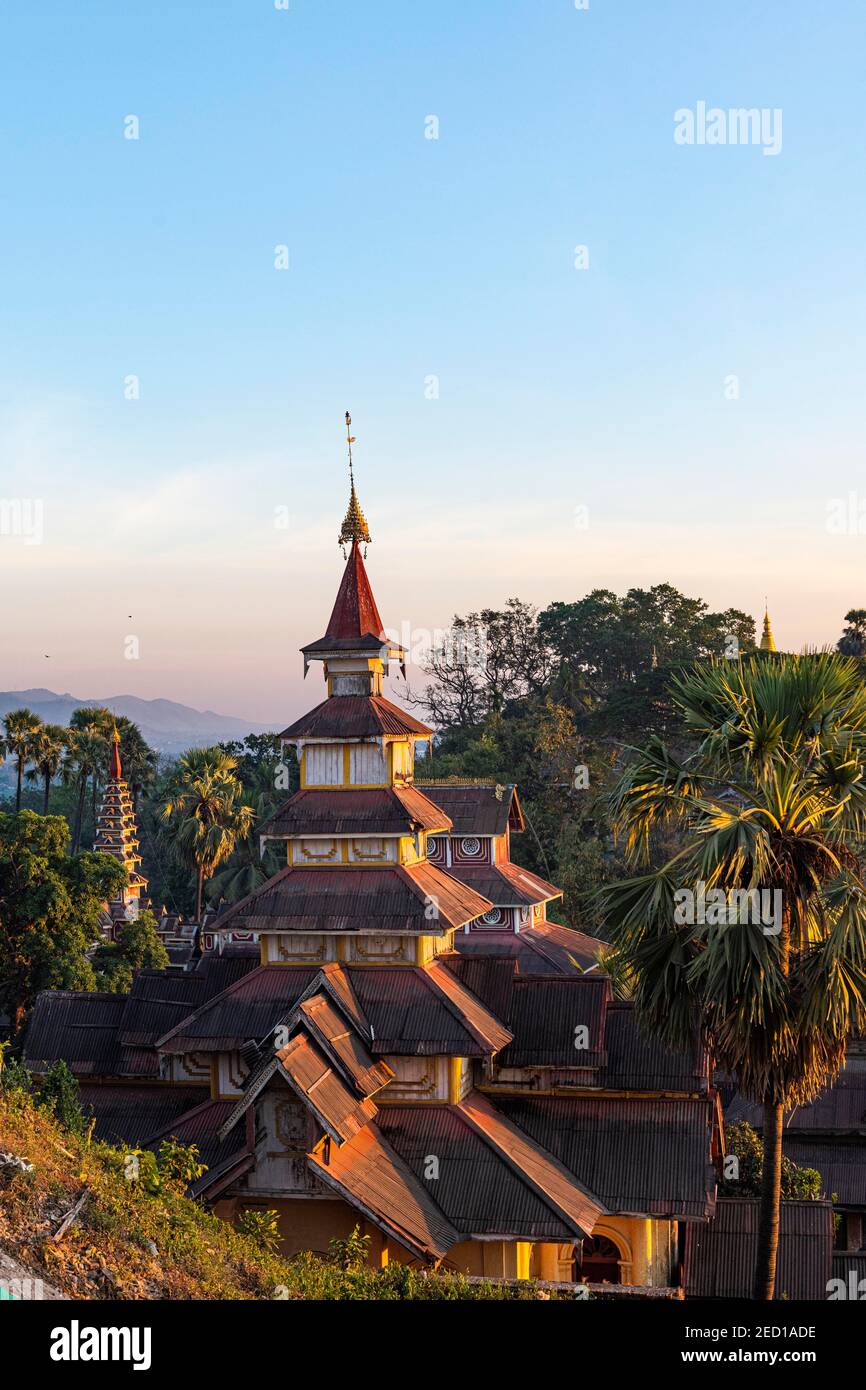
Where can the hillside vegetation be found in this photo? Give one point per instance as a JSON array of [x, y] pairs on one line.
[[144, 1239]]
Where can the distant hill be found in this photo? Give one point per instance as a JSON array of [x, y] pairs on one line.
[[167, 726]]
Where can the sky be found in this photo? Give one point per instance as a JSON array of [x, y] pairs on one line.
[[681, 400]]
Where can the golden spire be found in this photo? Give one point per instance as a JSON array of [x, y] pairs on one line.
[[768, 643], [354, 526]]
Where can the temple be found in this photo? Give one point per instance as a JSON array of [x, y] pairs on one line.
[[116, 835], [768, 642], [392, 1033]]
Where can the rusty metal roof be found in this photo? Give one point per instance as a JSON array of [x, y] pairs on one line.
[[375, 1180], [129, 1114], [349, 811], [841, 1163], [720, 1255], [250, 1009], [309, 1073], [340, 1040], [480, 808], [82, 1030], [490, 1180], [641, 1156], [506, 884], [356, 716], [489, 978], [543, 949], [393, 900], [841, 1109], [638, 1062], [157, 1001], [422, 1012], [546, 1015]]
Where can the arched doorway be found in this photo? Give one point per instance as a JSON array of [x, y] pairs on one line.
[[599, 1261]]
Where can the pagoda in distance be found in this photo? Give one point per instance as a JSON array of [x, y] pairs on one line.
[[116, 834]]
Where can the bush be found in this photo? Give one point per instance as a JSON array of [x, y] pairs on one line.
[[262, 1228], [58, 1092]]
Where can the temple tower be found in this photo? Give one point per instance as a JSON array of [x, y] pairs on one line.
[[116, 835]]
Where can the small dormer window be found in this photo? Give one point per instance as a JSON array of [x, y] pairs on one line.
[[470, 844]]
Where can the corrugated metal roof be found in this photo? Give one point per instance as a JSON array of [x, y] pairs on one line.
[[481, 1190], [398, 899], [375, 1180], [340, 1040], [312, 1076], [201, 1127], [641, 1157], [356, 716], [250, 1009], [129, 1114], [490, 978], [82, 1030], [841, 1109], [545, 1016], [544, 948], [156, 1002], [720, 1256], [411, 1014], [351, 811], [636, 1062], [841, 1163], [483, 808], [506, 884]]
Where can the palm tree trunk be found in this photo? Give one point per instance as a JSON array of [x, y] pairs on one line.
[[79, 815], [198, 892], [20, 779], [47, 793], [768, 1220]]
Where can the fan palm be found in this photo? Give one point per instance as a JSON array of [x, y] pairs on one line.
[[22, 727], [86, 750], [773, 798], [47, 753], [203, 813]]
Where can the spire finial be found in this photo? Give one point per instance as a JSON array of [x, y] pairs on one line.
[[767, 643], [354, 526]]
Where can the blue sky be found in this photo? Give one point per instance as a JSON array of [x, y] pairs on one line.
[[408, 258]]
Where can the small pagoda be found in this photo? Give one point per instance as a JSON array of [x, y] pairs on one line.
[[116, 835]]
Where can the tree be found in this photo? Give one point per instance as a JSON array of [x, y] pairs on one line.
[[853, 639], [204, 814], [22, 727], [47, 753], [49, 909], [86, 751], [138, 947], [485, 660], [797, 1184], [772, 801]]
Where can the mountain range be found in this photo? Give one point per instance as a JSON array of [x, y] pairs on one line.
[[166, 725]]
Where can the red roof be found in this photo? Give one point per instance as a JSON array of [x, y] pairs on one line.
[[391, 899], [354, 811], [355, 716], [355, 614]]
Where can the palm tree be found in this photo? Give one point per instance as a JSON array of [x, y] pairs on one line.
[[85, 754], [204, 814], [22, 727], [773, 798], [49, 746]]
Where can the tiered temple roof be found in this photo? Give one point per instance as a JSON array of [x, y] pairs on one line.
[[417, 1048]]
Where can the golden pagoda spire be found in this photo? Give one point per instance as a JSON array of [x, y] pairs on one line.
[[354, 526], [768, 643]]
